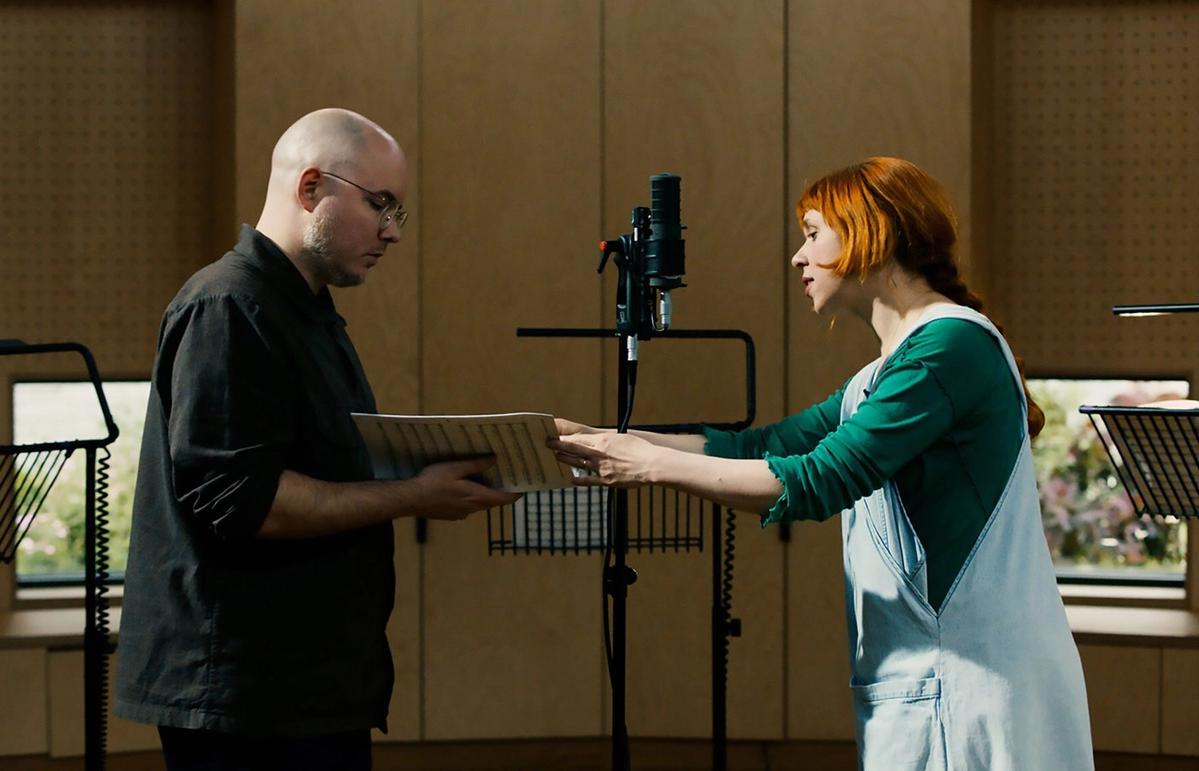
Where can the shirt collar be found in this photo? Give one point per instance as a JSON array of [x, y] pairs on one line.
[[266, 255]]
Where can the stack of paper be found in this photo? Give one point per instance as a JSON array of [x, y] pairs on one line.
[[401, 445]]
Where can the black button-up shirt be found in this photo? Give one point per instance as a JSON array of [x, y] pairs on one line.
[[221, 630]]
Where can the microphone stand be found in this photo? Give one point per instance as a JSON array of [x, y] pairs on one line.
[[619, 576], [617, 579]]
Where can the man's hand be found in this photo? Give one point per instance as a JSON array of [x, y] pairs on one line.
[[305, 507], [447, 491]]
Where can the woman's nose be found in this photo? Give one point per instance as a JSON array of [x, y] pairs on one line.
[[797, 259]]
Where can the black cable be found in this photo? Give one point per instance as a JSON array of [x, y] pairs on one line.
[[103, 462], [96, 645], [609, 518], [726, 587]]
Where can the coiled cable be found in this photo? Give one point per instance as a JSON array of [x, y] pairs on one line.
[[96, 644]]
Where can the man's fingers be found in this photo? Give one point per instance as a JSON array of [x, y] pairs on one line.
[[489, 496], [470, 466]]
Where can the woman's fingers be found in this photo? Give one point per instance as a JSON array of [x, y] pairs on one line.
[[576, 445], [569, 427]]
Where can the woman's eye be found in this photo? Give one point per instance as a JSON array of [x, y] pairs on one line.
[[811, 235]]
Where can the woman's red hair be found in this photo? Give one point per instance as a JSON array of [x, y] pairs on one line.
[[887, 208]]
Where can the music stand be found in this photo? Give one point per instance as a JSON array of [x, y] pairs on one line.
[[27, 472], [1155, 452]]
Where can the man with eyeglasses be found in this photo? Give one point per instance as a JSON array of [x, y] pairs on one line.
[[260, 573]]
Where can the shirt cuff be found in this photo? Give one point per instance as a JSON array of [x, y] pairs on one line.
[[719, 444], [234, 504], [778, 512]]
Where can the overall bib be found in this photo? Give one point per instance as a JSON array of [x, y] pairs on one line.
[[993, 681]]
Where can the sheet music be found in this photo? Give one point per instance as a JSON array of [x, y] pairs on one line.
[[401, 445]]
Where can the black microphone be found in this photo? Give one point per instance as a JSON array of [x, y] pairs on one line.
[[665, 257], [651, 261]]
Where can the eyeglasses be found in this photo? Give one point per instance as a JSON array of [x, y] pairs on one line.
[[389, 208]]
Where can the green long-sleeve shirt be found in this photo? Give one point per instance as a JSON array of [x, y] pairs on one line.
[[943, 422]]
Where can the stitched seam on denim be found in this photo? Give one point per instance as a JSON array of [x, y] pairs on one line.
[[1007, 488], [889, 561]]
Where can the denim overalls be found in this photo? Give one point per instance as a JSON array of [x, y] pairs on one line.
[[993, 682]]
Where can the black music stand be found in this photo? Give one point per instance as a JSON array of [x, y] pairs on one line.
[[27, 472], [1155, 452]]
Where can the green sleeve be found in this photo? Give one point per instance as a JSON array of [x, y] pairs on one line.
[[793, 435], [923, 388]]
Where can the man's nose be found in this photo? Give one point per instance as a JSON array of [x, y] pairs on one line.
[[391, 233]]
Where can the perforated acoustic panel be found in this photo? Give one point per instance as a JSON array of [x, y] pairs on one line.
[[1095, 112], [104, 161]]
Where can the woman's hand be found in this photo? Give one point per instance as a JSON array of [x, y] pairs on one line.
[[569, 428], [612, 459]]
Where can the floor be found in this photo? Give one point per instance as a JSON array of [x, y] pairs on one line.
[[592, 755]]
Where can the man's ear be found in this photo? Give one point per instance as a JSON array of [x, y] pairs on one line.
[[308, 188]]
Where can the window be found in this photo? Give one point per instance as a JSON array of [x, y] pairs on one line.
[[52, 551], [1093, 532]]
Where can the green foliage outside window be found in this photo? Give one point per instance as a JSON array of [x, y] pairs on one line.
[[53, 546], [1089, 520]]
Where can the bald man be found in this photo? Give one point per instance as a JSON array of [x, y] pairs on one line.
[[260, 574]]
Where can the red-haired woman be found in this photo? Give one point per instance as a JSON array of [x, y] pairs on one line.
[[960, 650]]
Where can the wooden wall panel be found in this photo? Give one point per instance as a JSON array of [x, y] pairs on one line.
[[295, 57], [64, 688], [1124, 693], [864, 79], [817, 667], [316, 43], [510, 147], [1180, 684], [532, 128], [105, 150], [105, 201], [1094, 159], [23, 728], [701, 98]]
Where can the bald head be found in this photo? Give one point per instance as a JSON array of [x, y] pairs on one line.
[[332, 139], [327, 170]]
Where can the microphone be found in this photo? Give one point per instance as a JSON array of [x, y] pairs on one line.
[[665, 257], [651, 260]]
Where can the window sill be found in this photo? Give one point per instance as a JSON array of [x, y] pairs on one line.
[[1134, 626], [41, 598], [1144, 616], [1107, 595], [1167, 627], [48, 627]]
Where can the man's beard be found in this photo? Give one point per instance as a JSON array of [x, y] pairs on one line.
[[319, 254]]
